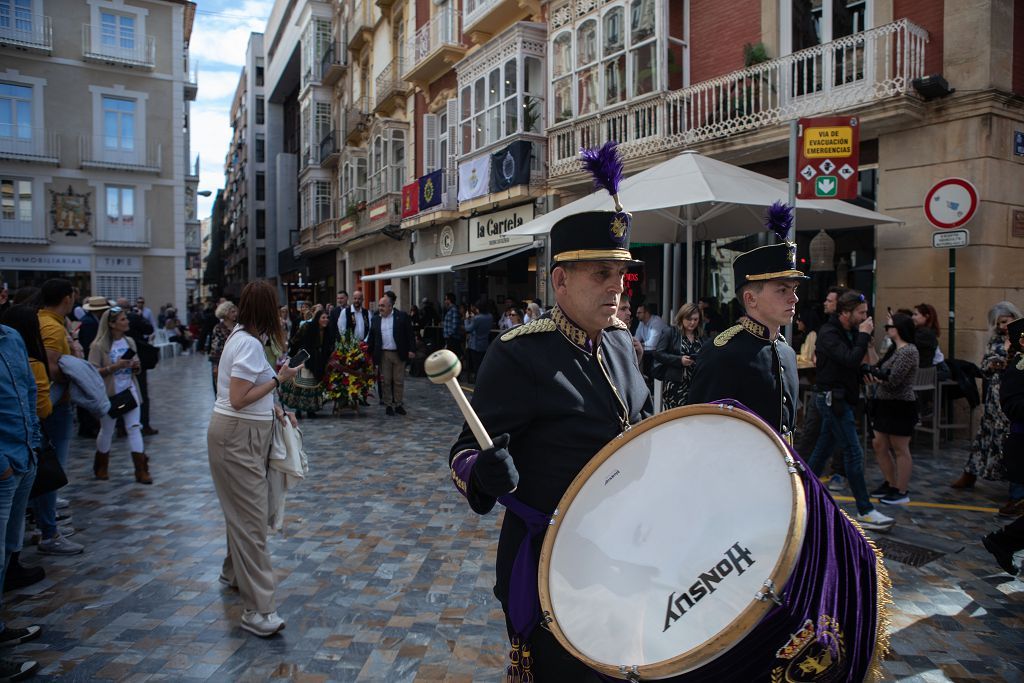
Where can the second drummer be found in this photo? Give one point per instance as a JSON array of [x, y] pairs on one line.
[[555, 391], [751, 362]]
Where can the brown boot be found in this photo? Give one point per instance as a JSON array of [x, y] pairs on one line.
[[966, 481], [141, 463], [99, 465]]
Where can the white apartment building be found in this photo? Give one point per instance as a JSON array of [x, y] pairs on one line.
[[96, 181]]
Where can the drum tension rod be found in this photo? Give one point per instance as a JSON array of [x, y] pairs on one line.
[[632, 673], [767, 592], [545, 619]]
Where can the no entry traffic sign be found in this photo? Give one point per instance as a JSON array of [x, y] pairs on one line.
[[950, 203]]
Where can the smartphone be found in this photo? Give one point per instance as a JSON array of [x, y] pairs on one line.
[[128, 355], [298, 359]]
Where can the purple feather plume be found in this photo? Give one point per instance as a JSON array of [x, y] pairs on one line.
[[605, 165], [779, 219]]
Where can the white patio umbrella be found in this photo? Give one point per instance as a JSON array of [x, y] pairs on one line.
[[692, 196]]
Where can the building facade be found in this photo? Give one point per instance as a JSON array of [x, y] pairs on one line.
[[245, 246], [423, 131], [96, 181]]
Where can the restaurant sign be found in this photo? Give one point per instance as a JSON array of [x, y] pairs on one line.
[[488, 231]]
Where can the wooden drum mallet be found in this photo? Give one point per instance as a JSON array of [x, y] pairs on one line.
[[443, 367]]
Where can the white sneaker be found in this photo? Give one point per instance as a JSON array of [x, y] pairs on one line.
[[263, 625], [875, 521]]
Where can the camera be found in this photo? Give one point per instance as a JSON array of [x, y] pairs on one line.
[[877, 373]]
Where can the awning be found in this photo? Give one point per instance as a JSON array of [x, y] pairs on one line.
[[448, 264]]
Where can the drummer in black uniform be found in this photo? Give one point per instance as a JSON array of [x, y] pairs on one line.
[[554, 391], [751, 362]]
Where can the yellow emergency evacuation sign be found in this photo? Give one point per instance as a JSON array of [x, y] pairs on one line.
[[828, 151]]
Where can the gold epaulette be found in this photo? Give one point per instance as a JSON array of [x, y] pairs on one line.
[[723, 338], [532, 327]]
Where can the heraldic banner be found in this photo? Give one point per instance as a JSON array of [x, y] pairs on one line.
[[511, 166], [431, 187], [410, 199], [474, 176]]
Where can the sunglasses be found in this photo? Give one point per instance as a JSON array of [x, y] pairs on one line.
[[114, 310]]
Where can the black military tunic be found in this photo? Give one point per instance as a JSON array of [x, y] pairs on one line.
[[745, 365], [561, 401]]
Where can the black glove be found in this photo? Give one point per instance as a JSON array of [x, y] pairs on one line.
[[494, 473]]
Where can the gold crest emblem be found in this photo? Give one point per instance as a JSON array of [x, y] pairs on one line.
[[813, 655], [428, 190], [618, 227]]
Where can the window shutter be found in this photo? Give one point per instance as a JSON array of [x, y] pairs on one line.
[[454, 144], [430, 160]]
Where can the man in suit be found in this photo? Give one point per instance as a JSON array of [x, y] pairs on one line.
[[349, 319], [391, 343]]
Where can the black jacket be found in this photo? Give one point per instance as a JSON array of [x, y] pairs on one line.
[[402, 333], [561, 402], [840, 354], [745, 365], [87, 331], [350, 316], [1011, 400], [319, 348]]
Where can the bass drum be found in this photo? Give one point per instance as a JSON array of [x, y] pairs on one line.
[[686, 538]]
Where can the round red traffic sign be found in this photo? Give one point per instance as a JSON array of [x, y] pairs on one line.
[[950, 203]]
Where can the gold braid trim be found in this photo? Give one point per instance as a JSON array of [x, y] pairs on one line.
[[884, 587]]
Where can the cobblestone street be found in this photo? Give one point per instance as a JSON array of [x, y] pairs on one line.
[[385, 575]]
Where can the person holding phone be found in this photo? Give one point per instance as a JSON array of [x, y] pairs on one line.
[[115, 355], [239, 441]]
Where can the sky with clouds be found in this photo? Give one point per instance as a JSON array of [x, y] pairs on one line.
[[220, 35]]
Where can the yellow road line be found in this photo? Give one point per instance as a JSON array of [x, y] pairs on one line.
[[937, 506]]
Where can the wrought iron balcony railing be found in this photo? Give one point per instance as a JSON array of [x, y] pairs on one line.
[[100, 151], [25, 143], [865, 67], [27, 30], [118, 48], [389, 84]]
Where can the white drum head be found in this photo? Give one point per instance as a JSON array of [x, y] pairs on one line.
[[660, 545]]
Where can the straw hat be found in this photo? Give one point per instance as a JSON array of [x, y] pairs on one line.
[[96, 304]]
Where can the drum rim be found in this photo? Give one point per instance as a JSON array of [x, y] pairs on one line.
[[745, 621]]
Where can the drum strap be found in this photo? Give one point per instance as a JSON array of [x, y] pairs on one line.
[[523, 599]]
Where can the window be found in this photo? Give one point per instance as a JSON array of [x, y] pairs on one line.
[[352, 184], [261, 187], [117, 31], [506, 101], [259, 73], [261, 224], [809, 23], [15, 111], [387, 163], [322, 122], [15, 207], [261, 149], [118, 124], [16, 15], [259, 111], [442, 140], [120, 206], [614, 57]]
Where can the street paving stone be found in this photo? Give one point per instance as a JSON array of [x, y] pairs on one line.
[[383, 572]]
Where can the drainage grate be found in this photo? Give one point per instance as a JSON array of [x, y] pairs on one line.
[[906, 553]]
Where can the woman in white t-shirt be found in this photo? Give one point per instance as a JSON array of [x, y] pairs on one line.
[[108, 353], [239, 440]]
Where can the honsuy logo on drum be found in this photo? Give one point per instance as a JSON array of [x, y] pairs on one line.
[[736, 559]]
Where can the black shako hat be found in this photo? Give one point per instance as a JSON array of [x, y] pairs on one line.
[[596, 235], [772, 262]]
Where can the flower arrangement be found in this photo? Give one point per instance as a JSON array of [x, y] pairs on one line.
[[350, 373]]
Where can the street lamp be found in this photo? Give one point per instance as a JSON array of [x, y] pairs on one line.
[[204, 193]]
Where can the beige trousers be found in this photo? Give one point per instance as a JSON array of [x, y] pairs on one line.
[[392, 371], [238, 452]]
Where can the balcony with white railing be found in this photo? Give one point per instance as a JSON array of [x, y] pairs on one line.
[[124, 232], [435, 48], [26, 30], [23, 143], [122, 48], [841, 76], [391, 88], [191, 79], [333, 63], [99, 151]]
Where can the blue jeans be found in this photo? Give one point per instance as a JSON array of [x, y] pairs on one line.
[[58, 428], [841, 429], [14, 492]]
